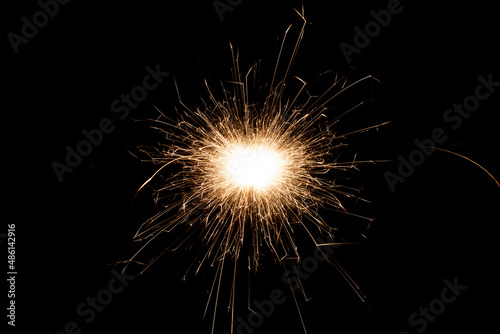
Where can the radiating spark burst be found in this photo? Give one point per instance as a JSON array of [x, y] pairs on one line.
[[250, 171]]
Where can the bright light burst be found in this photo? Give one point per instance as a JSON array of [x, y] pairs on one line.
[[252, 168], [255, 167]]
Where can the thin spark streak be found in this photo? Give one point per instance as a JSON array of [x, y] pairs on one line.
[[464, 157]]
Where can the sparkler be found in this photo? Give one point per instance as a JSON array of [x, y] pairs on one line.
[[248, 171]]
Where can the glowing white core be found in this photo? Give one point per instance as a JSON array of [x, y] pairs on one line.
[[255, 167]]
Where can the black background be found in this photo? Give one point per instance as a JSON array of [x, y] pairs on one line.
[[439, 224]]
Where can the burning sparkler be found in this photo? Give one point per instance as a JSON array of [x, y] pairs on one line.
[[255, 172]]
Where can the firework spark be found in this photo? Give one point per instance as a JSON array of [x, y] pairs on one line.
[[248, 172]]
